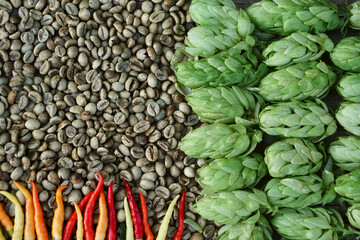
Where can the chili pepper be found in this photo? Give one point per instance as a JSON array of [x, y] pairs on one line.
[[88, 214], [111, 234], [80, 227], [102, 225], [59, 215], [6, 221], [29, 231], [165, 223], [40, 226], [129, 221], [70, 225], [19, 216], [149, 235], [135, 213], [180, 230], [2, 236], [123, 231]]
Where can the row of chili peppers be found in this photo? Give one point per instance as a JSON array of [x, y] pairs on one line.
[[33, 224]]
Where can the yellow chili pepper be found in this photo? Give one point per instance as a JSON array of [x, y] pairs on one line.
[[165, 223], [6, 221], [80, 226], [2, 236], [129, 223], [59, 215], [102, 225], [29, 232], [19, 216]]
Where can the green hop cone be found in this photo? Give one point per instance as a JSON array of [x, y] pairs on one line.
[[348, 115], [349, 87], [346, 54], [298, 192], [293, 157], [234, 66], [310, 223], [284, 17], [348, 186], [229, 207], [299, 47], [298, 119], [346, 152], [220, 140], [255, 228], [353, 214], [298, 82], [354, 9], [225, 105], [232, 173]]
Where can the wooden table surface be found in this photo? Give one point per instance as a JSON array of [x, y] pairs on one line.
[[246, 3]]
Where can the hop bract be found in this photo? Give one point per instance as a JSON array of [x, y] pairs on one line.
[[298, 82], [284, 17], [346, 152], [220, 140], [355, 18], [348, 186], [293, 157], [298, 119], [349, 87], [353, 214], [346, 54], [232, 173], [348, 115], [299, 47]]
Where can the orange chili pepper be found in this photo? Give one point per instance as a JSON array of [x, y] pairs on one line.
[[149, 235], [102, 225], [6, 221], [40, 226], [29, 231], [59, 215]]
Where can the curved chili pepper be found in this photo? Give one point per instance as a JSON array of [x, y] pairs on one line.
[[180, 230], [59, 215], [70, 225], [40, 226], [19, 216], [135, 213], [102, 225], [165, 223], [6, 221], [88, 214], [29, 231], [111, 234], [149, 235], [80, 227], [129, 221]]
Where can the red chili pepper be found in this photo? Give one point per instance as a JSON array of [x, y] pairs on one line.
[[135, 213], [89, 209], [111, 234], [71, 223], [149, 235], [180, 230]]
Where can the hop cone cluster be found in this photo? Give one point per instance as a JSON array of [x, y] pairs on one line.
[[229, 207], [298, 192], [258, 228], [348, 186], [348, 115], [346, 152], [353, 214], [349, 87], [232, 173], [346, 54], [355, 17], [298, 82], [297, 48], [309, 223], [284, 17], [225, 105], [236, 66], [293, 157], [220, 140], [298, 119]]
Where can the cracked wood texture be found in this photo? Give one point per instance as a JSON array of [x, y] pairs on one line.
[[246, 3]]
